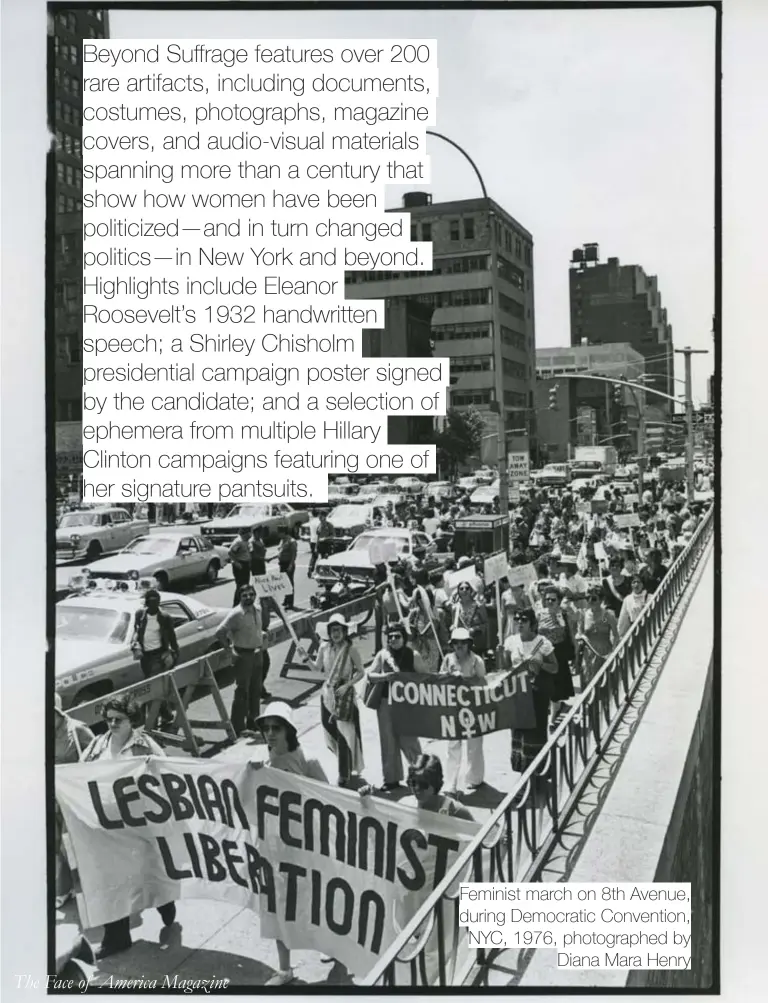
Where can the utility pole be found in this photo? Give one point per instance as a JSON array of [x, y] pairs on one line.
[[688, 352]]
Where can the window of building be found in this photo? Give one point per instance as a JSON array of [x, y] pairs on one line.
[[57, 77], [74, 85], [60, 172], [69, 410], [72, 23], [61, 140], [62, 21], [514, 369], [456, 297], [61, 204], [70, 205], [414, 232], [471, 364], [469, 228], [66, 111], [511, 306], [73, 57], [74, 349], [426, 231], [454, 266], [512, 338], [469, 398], [78, 205], [528, 255], [461, 332], [497, 228], [507, 240], [454, 229], [98, 14], [76, 148], [70, 176], [56, 45], [58, 109], [78, 178], [518, 247], [509, 272], [512, 399]]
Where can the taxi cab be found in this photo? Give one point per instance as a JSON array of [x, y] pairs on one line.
[[94, 626]]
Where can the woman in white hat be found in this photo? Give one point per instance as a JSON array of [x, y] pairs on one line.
[[285, 753], [342, 665], [462, 661]]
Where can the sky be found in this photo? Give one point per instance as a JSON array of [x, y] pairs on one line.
[[587, 126]]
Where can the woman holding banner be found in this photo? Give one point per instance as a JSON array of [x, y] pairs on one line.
[[342, 665], [398, 656], [285, 753], [527, 651], [124, 739], [462, 661]]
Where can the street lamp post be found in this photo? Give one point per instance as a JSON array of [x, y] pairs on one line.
[[689, 478], [498, 366]]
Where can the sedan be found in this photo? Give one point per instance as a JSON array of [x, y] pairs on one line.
[[170, 559], [272, 518], [93, 639]]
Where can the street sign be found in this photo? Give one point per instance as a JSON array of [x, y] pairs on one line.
[[519, 465]]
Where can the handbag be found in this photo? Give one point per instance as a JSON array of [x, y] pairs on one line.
[[373, 693], [344, 704]]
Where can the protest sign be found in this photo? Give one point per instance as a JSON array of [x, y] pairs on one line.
[[630, 500], [448, 707], [599, 505], [522, 574], [382, 551], [454, 578], [600, 554], [626, 521], [272, 585], [323, 869], [495, 567], [583, 506]]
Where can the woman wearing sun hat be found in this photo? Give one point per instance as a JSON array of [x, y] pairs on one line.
[[462, 661], [342, 665], [284, 753]]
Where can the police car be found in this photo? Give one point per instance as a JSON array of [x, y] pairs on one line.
[[94, 626]]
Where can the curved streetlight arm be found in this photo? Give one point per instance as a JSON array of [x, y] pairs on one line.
[[439, 135]]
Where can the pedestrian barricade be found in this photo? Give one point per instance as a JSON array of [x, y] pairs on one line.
[[306, 628], [177, 688], [516, 841]]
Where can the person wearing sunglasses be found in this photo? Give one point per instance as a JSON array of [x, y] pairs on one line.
[[527, 651], [398, 656], [284, 753], [598, 635], [472, 615], [559, 625], [124, 739], [616, 586], [461, 661], [425, 782]]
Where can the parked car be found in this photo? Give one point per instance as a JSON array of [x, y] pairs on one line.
[[338, 493], [273, 516], [348, 521], [470, 483], [356, 560], [90, 533], [93, 635], [553, 474], [437, 490], [409, 485], [170, 559]]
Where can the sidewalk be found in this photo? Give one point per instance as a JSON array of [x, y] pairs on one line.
[[218, 940]]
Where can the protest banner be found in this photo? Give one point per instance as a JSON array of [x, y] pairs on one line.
[[447, 707], [522, 574], [323, 869], [626, 521]]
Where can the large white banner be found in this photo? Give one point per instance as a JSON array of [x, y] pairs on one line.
[[323, 868]]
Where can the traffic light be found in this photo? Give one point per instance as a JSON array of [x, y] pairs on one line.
[[618, 395], [553, 398]]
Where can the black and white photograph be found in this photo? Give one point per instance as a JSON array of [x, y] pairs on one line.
[[452, 729]]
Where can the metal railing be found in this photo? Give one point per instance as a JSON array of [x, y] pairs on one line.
[[514, 844]]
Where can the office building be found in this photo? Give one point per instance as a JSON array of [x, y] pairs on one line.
[[406, 333], [481, 291], [66, 31], [619, 304], [588, 412]]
